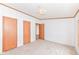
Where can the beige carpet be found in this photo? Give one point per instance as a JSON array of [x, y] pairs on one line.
[[42, 47]]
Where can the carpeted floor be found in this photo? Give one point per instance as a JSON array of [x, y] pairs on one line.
[[42, 47]]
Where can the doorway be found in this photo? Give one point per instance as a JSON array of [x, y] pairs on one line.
[[39, 31]]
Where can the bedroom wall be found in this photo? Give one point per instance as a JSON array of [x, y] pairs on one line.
[[77, 31], [60, 31], [5, 11]]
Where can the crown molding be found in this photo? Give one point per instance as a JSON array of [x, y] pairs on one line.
[[56, 18], [19, 11], [39, 18], [61, 17], [76, 13]]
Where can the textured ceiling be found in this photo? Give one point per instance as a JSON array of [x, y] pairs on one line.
[[51, 10]]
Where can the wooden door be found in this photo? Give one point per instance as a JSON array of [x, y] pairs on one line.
[[26, 31], [9, 33], [41, 31]]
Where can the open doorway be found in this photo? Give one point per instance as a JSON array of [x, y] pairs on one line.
[[37, 31]]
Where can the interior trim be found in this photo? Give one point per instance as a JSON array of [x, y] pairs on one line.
[[56, 18], [18, 10], [76, 13], [62, 17], [39, 18]]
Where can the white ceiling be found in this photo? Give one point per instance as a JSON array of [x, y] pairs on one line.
[[52, 10], [39, 1]]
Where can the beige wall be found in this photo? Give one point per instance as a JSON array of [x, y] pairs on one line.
[[60, 30], [77, 32]]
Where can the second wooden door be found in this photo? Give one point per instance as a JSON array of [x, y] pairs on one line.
[[26, 31]]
